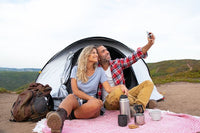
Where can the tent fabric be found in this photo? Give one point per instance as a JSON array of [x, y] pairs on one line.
[[57, 70], [144, 75]]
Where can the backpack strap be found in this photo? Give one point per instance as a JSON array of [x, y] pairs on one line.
[[12, 119]]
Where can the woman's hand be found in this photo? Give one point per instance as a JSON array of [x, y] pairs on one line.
[[100, 102], [78, 92]]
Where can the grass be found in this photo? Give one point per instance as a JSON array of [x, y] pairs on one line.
[[3, 90], [161, 73], [21, 89], [11, 80], [175, 71]]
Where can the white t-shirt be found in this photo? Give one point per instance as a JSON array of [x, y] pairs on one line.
[[110, 81]]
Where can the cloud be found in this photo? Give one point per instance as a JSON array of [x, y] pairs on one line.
[[32, 31]]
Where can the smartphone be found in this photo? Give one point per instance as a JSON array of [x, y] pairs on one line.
[[149, 35]]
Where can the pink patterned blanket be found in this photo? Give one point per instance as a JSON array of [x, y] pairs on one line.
[[170, 123]]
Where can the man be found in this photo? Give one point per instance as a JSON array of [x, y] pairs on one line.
[[138, 95]]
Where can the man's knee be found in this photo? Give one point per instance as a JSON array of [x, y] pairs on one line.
[[112, 100], [112, 106], [112, 103], [149, 84]]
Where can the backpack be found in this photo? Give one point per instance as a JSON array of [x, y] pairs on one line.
[[32, 104]]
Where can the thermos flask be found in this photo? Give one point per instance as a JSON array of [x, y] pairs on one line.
[[124, 106]]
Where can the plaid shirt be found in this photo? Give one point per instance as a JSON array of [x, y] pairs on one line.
[[118, 65]]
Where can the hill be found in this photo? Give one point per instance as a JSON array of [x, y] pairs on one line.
[[161, 72], [175, 70], [11, 80]]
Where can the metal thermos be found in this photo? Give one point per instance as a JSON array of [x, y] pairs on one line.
[[124, 106]]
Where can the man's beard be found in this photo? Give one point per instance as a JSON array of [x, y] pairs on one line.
[[104, 61]]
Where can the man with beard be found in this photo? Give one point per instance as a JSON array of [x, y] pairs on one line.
[[139, 95]]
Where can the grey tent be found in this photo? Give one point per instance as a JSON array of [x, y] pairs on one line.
[[57, 70]]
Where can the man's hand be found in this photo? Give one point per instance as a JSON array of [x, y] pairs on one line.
[[124, 89], [149, 44], [152, 39]]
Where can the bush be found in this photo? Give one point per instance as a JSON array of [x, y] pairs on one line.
[[22, 88], [3, 90]]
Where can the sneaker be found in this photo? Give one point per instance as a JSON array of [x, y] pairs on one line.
[[136, 108], [152, 104]]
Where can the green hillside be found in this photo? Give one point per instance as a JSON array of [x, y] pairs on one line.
[[11, 80], [161, 72], [175, 70]]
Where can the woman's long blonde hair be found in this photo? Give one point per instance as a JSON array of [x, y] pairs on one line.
[[82, 63]]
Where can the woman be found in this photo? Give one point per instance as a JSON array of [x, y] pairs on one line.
[[85, 79]]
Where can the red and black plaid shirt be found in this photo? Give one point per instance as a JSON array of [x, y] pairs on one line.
[[118, 65]]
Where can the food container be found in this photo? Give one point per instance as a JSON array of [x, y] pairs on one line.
[[139, 118]]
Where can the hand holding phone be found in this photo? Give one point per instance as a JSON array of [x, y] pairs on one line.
[[149, 35]]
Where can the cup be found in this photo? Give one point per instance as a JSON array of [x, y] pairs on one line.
[[139, 118], [122, 120], [155, 115]]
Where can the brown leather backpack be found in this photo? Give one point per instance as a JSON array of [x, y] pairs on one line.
[[32, 104]]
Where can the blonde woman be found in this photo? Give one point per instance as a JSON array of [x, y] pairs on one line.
[[82, 104]]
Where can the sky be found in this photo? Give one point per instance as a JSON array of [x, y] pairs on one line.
[[32, 31]]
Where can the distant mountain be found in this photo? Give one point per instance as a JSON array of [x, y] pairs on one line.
[[20, 69]]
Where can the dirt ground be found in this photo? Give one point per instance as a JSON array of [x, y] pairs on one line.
[[180, 97]]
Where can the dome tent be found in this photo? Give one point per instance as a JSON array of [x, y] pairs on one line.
[[57, 70]]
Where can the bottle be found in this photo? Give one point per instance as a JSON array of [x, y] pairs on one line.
[[124, 106]]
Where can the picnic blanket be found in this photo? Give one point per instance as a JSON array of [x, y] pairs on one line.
[[108, 123]]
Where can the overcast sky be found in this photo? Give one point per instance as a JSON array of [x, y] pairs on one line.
[[32, 31]]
